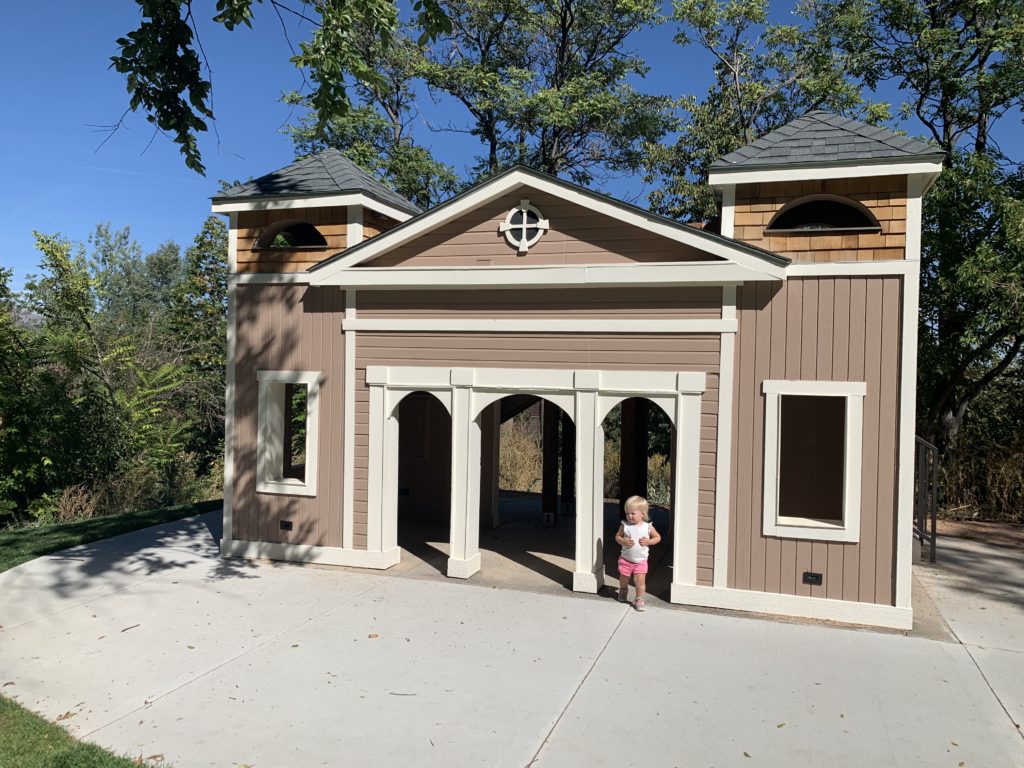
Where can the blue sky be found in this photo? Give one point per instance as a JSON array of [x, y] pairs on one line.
[[58, 87]]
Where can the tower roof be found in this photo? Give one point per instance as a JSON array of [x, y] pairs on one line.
[[325, 173], [821, 138]]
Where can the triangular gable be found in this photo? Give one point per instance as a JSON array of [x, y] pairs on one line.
[[685, 246]]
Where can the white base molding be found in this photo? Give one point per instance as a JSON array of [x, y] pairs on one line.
[[304, 553], [463, 569], [844, 611], [585, 581]]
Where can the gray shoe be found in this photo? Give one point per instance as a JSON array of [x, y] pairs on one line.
[[640, 605], [623, 596]]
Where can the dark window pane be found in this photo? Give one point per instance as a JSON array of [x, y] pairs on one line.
[[822, 214], [295, 397], [531, 217], [517, 218], [812, 441], [529, 233]]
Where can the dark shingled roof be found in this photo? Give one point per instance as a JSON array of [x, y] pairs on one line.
[[326, 173], [821, 138]]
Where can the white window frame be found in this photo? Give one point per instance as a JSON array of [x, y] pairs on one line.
[[803, 527], [270, 436], [509, 229]]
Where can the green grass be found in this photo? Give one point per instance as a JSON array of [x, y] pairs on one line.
[[29, 741], [23, 544]]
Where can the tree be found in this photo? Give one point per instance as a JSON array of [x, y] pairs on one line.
[[961, 66], [376, 133], [167, 76], [546, 83], [199, 325], [765, 75]]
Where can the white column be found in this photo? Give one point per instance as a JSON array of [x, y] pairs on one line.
[[354, 226], [349, 422], [464, 555], [229, 382], [589, 573], [376, 468], [686, 475], [723, 438]]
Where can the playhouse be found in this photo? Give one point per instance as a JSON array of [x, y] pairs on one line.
[[781, 348]]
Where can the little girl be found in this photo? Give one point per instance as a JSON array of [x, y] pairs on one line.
[[636, 536]]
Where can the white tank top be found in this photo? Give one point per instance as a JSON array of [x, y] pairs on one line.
[[636, 553]]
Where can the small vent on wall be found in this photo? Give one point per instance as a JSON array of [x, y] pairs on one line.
[[814, 579], [286, 525]]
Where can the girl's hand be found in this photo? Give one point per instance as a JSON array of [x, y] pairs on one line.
[[627, 542], [644, 541]]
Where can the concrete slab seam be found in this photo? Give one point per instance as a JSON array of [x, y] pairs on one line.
[[586, 676], [223, 664]]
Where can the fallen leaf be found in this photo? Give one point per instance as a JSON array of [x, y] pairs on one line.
[[954, 744], [9, 682], [373, 635], [295, 645], [133, 626], [781, 725], [66, 716], [190, 647], [746, 754]]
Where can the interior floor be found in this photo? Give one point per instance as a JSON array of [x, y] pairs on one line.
[[522, 553]]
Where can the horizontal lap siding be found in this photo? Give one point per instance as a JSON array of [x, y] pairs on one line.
[[842, 329], [576, 304], [577, 236], [288, 328], [554, 351], [885, 197]]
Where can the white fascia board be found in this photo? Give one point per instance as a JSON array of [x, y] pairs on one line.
[[821, 388], [495, 325], [325, 201], [853, 268], [789, 173], [269, 278], [502, 186], [554, 276]]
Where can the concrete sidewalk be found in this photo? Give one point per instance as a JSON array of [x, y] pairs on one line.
[[150, 644]]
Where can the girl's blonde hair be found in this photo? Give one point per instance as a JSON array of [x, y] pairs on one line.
[[641, 502]]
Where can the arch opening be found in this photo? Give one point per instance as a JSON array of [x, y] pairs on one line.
[[292, 235], [424, 478], [823, 213], [639, 440]]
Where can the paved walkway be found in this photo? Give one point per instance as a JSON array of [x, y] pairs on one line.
[[149, 644]]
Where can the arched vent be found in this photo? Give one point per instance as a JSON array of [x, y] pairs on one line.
[[292, 235], [823, 214]]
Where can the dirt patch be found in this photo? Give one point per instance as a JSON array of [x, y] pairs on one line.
[[1005, 535]]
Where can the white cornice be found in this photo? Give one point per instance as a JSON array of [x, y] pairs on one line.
[[740, 175], [516, 179], [555, 276], [324, 201]]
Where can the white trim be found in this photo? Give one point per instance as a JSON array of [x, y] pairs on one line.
[[232, 243], [729, 210], [229, 393], [505, 184], [851, 268], [349, 421], [821, 608], [740, 175], [305, 553], [523, 246], [907, 431], [723, 442], [354, 225], [774, 524], [824, 388], [491, 325], [270, 278], [324, 201], [270, 436], [581, 393], [547, 276], [915, 192]]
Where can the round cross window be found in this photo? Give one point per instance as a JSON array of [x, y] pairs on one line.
[[523, 226]]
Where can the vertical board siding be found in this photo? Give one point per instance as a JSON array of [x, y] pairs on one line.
[[814, 329], [555, 351], [289, 328], [577, 236], [884, 196]]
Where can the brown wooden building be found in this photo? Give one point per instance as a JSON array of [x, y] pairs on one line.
[[782, 351]]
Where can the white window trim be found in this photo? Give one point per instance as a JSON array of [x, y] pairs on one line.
[[509, 230], [269, 448], [807, 528]]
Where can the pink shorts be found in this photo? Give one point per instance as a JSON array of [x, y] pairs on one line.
[[627, 568]]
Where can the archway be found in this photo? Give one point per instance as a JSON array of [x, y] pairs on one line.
[[527, 490], [639, 445], [424, 479]]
